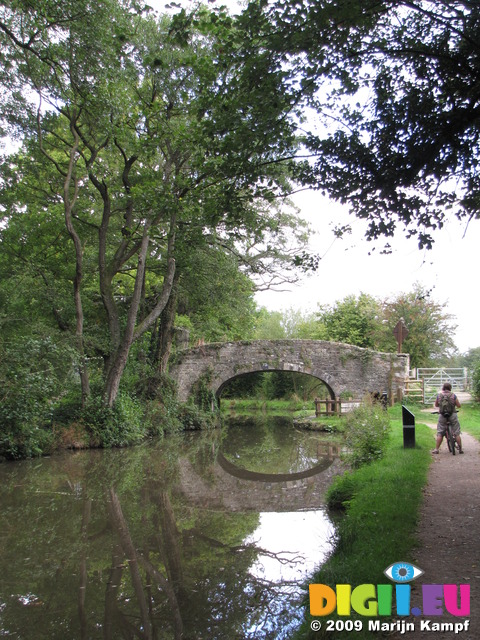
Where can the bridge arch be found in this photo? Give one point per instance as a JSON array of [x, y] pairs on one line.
[[223, 385], [341, 367]]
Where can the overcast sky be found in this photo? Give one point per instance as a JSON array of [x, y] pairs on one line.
[[450, 269]]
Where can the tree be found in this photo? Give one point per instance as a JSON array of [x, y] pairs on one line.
[[151, 137], [216, 296], [353, 320], [430, 329], [469, 359], [395, 87], [476, 382], [288, 324]]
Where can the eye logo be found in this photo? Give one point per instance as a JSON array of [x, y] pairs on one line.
[[402, 572]]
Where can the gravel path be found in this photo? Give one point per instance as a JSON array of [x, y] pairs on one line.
[[449, 534]]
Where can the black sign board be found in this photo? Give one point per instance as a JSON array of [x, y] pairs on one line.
[[408, 420]]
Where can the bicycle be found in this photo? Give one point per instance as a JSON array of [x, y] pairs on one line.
[[450, 437], [451, 440]]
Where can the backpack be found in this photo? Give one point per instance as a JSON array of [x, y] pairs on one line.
[[446, 404]]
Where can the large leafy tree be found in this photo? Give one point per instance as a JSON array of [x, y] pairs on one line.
[[430, 340], [398, 119], [353, 320], [148, 136]]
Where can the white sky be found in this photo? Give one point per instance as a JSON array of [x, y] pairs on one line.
[[307, 534], [450, 269]]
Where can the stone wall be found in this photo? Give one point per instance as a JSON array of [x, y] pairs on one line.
[[342, 367]]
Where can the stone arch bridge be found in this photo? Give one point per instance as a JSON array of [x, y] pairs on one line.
[[341, 367]]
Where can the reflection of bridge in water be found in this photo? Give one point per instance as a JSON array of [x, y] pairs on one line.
[[234, 488]]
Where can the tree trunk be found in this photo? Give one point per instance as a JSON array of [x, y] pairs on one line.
[[132, 333], [69, 199], [69, 203], [164, 338]]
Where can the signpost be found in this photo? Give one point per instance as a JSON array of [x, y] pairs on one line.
[[400, 332]]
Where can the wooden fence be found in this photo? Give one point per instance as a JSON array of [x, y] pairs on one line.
[[336, 406]]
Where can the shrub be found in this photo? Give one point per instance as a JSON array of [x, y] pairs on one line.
[[33, 371], [476, 382], [193, 418], [366, 430], [203, 396], [117, 426]]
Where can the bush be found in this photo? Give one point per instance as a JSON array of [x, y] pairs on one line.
[[366, 429], [117, 426], [33, 371], [193, 418], [476, 382]]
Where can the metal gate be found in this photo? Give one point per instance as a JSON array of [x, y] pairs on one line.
[[433, 380]]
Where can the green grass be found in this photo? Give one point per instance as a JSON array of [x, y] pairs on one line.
[[245, 405], [382, 510], [469, 417], [295, 408]]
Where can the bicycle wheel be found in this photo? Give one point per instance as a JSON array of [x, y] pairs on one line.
[[450, 440]]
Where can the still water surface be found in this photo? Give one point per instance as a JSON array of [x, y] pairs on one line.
[[205, 535]]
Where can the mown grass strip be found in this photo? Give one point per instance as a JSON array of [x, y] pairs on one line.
[[379, 525]]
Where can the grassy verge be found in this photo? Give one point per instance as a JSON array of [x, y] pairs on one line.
[[469, 417], [382, 503], [295, 408]]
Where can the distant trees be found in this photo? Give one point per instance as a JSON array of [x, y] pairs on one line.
[[355, 320], [368, 322], [476, 382]]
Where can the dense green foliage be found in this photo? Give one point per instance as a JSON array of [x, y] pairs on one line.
[[353, 320], [398, 138], [476, 382], [31, 371]]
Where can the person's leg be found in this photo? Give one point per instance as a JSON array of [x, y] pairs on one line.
[[456, 431], [438, 443], [441, 430]]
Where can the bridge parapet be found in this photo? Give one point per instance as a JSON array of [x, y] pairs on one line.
[[342, 367]]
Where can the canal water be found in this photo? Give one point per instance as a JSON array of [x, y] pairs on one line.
[[202, 535]]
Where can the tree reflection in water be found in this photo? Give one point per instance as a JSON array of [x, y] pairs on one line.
[[127, 544]]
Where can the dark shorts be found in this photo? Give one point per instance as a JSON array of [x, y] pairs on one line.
[[442, 425]]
